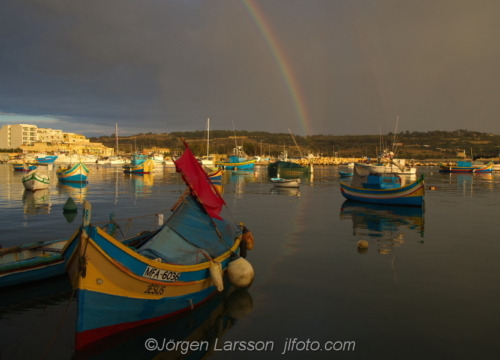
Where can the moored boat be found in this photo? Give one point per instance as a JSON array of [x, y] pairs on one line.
[[383, 189], [139, 164], [47, 159], [36, 180], [288, 167], [390, 166], [466, 167], [23, 166], [288, 183], [76, 173], [179, 268], [345, 174]]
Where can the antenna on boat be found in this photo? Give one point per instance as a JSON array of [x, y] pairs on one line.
[[234, 131], [301, 155]]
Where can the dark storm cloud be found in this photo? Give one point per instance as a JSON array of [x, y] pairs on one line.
[[163, 66]]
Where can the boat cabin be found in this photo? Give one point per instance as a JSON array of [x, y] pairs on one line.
[[382, 181]]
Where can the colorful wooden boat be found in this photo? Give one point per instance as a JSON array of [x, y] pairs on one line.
[[139, 164], [215, 174], [49, 159], [237, 162], [345, 174], [466, 167], [75, 173], [288, 183], [22, 166], [42, 260], [37, 179], [383, 189], [119, 288]]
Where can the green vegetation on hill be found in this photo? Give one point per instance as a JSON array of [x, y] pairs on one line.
[[414, 145]]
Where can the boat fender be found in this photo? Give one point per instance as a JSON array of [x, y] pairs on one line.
[[240, 272], [216, 274], [247, 236]]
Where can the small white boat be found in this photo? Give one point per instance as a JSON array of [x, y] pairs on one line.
[[36, 180], [289, 183]]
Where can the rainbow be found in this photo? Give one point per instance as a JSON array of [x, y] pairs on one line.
[[284, 65]]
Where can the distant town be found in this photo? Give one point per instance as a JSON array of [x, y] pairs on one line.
[[26, 138]]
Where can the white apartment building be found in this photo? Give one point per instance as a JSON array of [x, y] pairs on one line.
[[50, 136], [13, 136]]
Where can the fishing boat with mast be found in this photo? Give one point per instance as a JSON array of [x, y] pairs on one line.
[[464, 166], [384, 189], [288, 167], [77, 173], [179, 268], [238, 160]]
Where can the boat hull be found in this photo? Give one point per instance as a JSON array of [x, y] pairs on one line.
[[286, 183], [34, 182], [47, 159], [287, 167], [467, 169], [118, 281], [410, 195], [144, 168], [22, 167], [77, 173], [244, 165]]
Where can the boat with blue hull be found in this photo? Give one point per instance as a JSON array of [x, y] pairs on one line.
[[345, 174], [22, 166], [49, 159], [77, 173], [139, 164], [43, 260], [385, 189], [467, 167], [179, 268], [237, 162]]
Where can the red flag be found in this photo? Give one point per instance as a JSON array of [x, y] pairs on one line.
[[197, 179]]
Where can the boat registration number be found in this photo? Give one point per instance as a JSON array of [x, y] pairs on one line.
[[154, 273]]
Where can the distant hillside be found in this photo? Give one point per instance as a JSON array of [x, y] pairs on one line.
[[415, 145]]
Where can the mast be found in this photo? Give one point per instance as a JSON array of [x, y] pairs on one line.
[[208, 136], [116, 134], [301, 155]]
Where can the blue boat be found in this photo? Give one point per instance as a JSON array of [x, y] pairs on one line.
[[47, 159], [77, 173], [22, 166], [345, 174], [237, 162], [385, 189], [42, 260], [139, 164], [466, 167], [179, 268]]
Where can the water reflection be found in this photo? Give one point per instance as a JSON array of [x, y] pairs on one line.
[[205, 325], [142, 184], [37, 202], [285, 191], [383, 223], [78, 191]]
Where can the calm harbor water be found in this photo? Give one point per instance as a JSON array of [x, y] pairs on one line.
[[427, 287]]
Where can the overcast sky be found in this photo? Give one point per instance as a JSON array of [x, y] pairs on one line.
[[314, 67]]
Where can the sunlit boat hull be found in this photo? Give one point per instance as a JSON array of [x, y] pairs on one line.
[[34, 182], [468, 169], [77, 173], [409, 195]]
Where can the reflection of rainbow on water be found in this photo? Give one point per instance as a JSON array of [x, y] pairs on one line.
[[383, 222], [37, 202]]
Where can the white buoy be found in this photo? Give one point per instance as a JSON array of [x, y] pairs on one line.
[[216, 274], [240, 272]]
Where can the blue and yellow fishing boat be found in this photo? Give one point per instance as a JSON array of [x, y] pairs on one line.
[[44, 259], [23, 166], [179, 268], [466, 167], [139, 164], [383, 189], [76, 173], [237, 162]]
